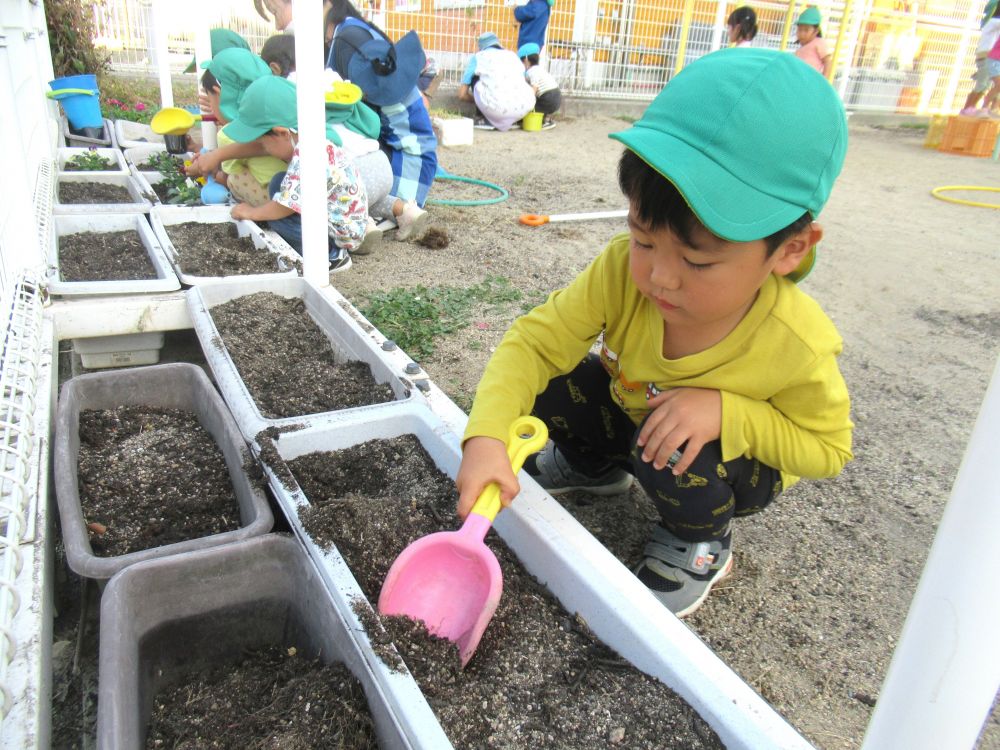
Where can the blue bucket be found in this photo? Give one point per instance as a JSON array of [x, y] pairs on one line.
[[80, 100]]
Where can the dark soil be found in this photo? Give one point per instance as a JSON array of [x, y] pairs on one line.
[[104, 256], [150, 477], [218, 250], [539, 677], [273, 698], [93, 192], [160, 191], [288, 363]]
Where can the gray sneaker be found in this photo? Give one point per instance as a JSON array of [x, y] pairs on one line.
[[557, 475], [680, 573]]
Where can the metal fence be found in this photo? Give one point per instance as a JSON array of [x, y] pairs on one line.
[[889, 55]]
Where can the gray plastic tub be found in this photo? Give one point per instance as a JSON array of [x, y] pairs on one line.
[[161, 618], [163, 216], [165, 281], [349, 341], [171, 386]]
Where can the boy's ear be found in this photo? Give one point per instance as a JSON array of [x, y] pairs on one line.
[[275, 68], [280, 131], [795, 248]]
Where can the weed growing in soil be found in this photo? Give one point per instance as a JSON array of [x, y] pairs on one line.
[[91, 161], [414, 318]]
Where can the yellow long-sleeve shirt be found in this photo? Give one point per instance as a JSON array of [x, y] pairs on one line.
[[784, 401]]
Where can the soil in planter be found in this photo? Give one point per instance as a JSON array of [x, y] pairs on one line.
[[150, 477], [218, 250], [104, 256], [93, 192], [161, 191], [539, 677], [287, 362], [273, 697], [155, 163]]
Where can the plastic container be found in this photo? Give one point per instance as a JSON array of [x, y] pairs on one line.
[[532, 122], [171, 386], [119, 351], [453, 131], [66, 154], [90, 137], [130, 134], [80, 100], [585, 577], [139, 204], [970, 136], [165, 281], [163, 216], [935, 130], [349, 341], [136, 155]]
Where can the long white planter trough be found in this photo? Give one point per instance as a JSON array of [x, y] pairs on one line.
[[165, 280], [138, 203], [160, 619], [67, 154], [576, 568], [349, 341], [162, 217]]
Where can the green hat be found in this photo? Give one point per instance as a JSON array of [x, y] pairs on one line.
[[810, 17], [751, 138], [270, 102], [235, 69], [221, 39]]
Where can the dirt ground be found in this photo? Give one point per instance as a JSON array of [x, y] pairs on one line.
[[824, 578]]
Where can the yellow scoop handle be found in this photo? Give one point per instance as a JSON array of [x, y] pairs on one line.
[[526, 436]]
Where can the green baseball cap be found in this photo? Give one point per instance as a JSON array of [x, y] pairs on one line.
[[810, 17], [752, 138], [221, 39], [235, 69], [270, 102]]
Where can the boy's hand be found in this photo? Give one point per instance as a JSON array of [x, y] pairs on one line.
[[484, 460], [208, 163], [241, 211], [194, 169], [692, 415]]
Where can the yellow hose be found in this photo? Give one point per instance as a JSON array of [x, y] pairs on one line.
[[936, 192]]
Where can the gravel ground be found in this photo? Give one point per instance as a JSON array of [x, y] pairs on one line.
[[824, 578]]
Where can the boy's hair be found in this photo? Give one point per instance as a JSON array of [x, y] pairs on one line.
[[660, 205], [209, 82], [745, 18], [532, 59], [280, 49]]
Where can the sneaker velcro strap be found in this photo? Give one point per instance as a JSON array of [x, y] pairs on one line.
[[693, 556]]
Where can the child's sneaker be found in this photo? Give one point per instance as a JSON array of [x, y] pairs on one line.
[[340, 260], [481, 123], [556, 475], [548, 124], [411, 222], [680, 573], [969, 112], [373, 238]]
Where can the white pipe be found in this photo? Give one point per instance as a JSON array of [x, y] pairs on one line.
[[592, 215], [202, 54], [308, 16], [158, 19], [720, 28], [945, 671]]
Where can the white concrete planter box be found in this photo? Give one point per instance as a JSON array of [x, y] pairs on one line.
[[118, 164], [575, 567], [349, 341], [454, 131], [165, 280], [139, 204], [163, 216]]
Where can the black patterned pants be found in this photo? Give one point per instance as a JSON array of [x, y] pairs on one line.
[[594, 434]]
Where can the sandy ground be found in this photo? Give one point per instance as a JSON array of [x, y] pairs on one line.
[[824, 578]]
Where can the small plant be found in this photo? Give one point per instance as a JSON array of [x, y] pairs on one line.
[[91, 161], [415, 318], [164, 163], [184, 193]]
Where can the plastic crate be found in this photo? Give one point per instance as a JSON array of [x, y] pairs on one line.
[[935, 130], [119, 351], [969, 136]]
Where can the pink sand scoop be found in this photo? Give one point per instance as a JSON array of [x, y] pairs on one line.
[[451, 580]]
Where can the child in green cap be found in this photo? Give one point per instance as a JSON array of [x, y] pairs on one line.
[[813, 48], [717, 384], [268, 114]]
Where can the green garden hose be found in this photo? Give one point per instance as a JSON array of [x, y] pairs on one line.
[[443, 175]]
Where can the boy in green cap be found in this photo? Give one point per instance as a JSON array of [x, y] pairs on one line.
[[268, 114], [717, 383], [813, 49]]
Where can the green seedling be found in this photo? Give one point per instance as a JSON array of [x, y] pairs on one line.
[[91, 161]]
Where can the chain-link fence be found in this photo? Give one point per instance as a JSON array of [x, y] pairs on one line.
[[889, 55]]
